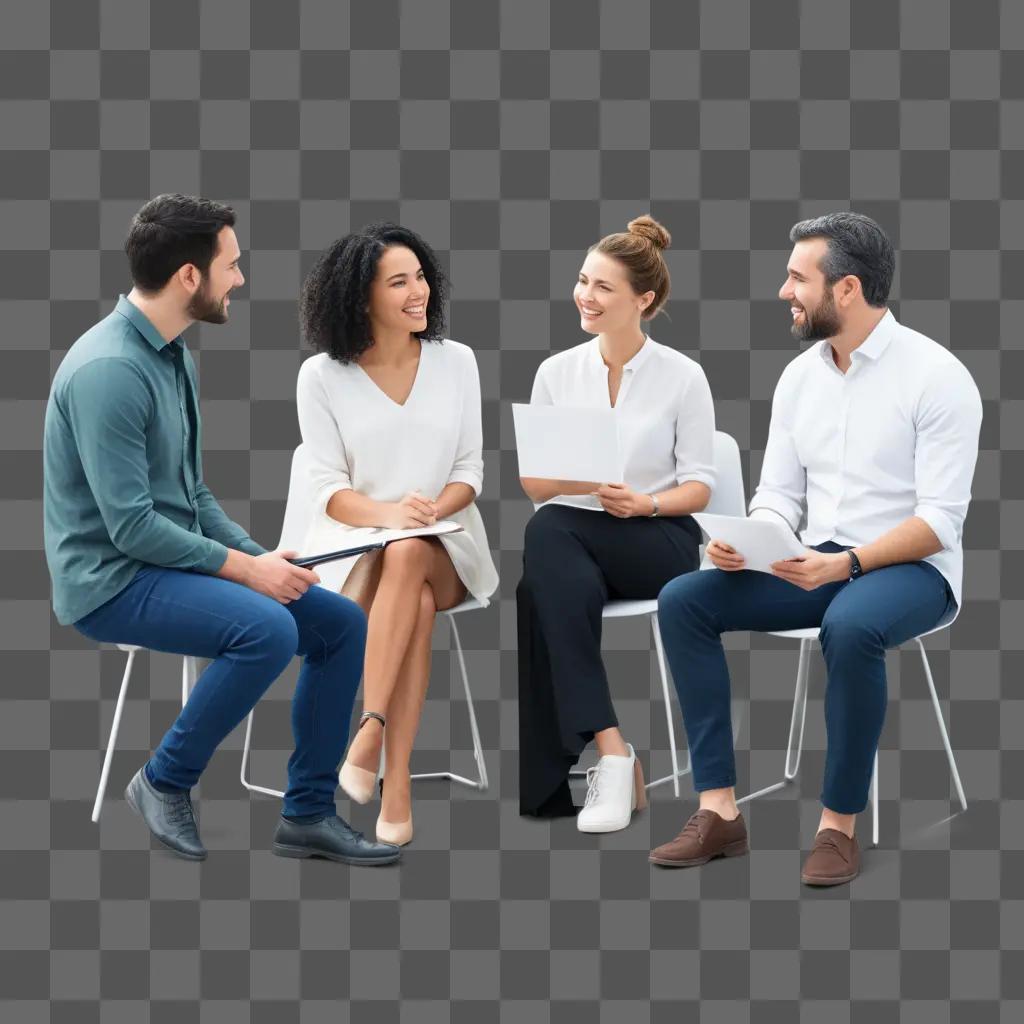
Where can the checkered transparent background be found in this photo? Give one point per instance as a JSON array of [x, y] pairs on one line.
[[512, 135]]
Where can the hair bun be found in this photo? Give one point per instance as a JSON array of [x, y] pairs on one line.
[[647, 227]]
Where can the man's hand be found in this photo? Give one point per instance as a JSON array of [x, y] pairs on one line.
[[811, 570], [622, 501], [273, 575], [413, 511], [723, 556]]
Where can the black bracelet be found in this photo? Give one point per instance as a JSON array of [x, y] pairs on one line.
[[856, 569]]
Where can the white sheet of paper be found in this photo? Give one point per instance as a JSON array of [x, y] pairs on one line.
[[437, 530], [759, 541], [560, 443]]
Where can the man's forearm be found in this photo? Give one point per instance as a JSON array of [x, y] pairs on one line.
[[911, 541], [237, 567]]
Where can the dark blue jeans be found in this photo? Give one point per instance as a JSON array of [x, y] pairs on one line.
[[858, 622], [250, 639]]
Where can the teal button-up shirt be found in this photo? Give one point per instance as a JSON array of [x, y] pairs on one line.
[[122, 466]]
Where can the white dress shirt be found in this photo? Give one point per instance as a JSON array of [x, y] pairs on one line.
[[895, 436], [358, 438], [666, 417]]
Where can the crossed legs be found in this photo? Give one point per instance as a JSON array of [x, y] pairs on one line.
[[416, 581]]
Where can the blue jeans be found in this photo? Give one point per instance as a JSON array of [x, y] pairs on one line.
[[250, 639], [858, 622]]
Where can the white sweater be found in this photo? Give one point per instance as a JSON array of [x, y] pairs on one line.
[[358, 438]]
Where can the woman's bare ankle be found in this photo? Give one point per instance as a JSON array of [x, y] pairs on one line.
[[396, 795], [609, 742], [366, 745]]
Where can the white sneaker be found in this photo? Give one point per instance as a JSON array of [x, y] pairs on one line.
[[615, 788]]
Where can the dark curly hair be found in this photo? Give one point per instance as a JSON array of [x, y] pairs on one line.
[[333, 305]]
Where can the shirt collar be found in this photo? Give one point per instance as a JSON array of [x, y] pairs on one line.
[[143, 324], [634, 364], [872, 346]]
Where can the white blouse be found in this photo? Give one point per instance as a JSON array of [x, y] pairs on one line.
[[665, 413], [358, 438]]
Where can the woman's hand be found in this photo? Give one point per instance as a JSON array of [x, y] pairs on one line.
[[412, 512], [622, 501]]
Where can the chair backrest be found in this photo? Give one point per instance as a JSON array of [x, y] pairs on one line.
[[297, 512], [727, 497]]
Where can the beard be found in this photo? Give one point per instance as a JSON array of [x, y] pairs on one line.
[[819, 324], [205, 308]]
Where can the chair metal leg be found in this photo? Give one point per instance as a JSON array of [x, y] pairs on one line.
[[480, 782], [874, 802], [112, 741], [942, 727], [677, 772], [189, 674], [799, 715], [251, 786], [800, 698]]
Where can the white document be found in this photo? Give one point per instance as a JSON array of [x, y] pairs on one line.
[[444, 526], [560, 443], [760, 541]]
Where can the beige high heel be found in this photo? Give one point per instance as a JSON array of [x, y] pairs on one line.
[[398, 833], [359, 783]]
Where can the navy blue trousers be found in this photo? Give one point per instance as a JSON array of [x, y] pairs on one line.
[[858, 622], [250, 639]]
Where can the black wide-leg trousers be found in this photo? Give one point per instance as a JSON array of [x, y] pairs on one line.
[[575, 560]]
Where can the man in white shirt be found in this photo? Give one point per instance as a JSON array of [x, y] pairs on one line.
[[874, 432]]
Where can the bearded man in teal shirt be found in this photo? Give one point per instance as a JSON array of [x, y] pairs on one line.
[[140, 552]]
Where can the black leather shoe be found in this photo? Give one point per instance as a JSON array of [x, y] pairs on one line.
[[334, 838], [170, 816]]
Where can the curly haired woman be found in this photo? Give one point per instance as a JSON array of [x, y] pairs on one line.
[[389, 412]]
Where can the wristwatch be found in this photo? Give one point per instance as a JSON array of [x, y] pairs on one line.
[[656, 511], [856, 569]]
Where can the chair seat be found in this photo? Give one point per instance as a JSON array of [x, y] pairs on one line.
[[467, 606], [128, 648], [626, 609], [809, 633]]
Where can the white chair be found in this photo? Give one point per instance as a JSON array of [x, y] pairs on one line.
[[188, 679], [734, 504], [728, 470], [293, 533]]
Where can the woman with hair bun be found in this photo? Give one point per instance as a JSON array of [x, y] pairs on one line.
[[590, 542], [390, 415]]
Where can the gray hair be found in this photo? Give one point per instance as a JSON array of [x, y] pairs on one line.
[[857, 246]]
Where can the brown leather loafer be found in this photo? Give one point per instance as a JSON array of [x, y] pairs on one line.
[[705, 836], [834, 859]]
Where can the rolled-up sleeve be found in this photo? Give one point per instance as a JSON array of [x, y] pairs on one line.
[[695, 433], [948, 424], [109, 404], [782, 489], [468, 467], [321, 438]]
